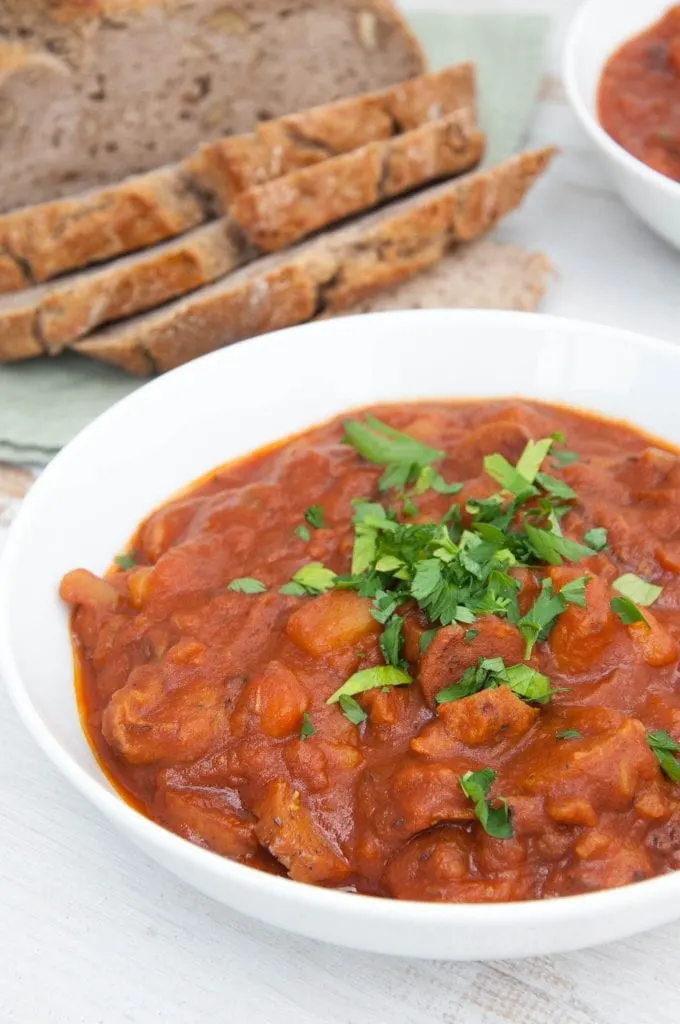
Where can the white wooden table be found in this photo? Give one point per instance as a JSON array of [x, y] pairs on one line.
[[92, 933]]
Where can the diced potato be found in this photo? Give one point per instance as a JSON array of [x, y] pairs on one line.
[[138, 583], [83, 587], [272, 702], [333, 620], [655, 645]]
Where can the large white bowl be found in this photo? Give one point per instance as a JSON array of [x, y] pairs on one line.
[[89, 500], [598, 29]]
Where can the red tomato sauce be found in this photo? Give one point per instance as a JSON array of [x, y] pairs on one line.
[[639, 95], [196, 697]]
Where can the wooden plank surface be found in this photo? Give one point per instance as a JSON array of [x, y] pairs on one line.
[[93, 933]]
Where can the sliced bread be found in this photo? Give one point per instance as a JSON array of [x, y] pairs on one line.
[[40, 242], [270, 217], [116, 87], [328, 275], [474, 275]]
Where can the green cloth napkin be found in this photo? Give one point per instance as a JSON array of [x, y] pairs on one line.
[[46, 402]]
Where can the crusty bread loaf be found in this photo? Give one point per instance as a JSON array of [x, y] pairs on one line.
[[115, 87], [272, 216], [40, 242], [474, 275], [328, 275]]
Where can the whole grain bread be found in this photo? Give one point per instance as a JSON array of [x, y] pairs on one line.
[[42, 241], [325, 276], [115, 87], [270, 217]]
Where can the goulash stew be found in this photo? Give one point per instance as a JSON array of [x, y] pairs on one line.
[[427, 653], [639, 95]]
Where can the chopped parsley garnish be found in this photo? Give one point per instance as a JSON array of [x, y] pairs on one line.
[[569, 734], [247, 585], [302, 532], [369, 679], [314, 516], [626, 611], [391, 641], [495, 820], [126, 561], [596, 538], [306, 729], [403, 456], [426, 639], [563, 457], [664, 748], [311, 579], [636, 589], [490, 673], [537, 622], [470, 634], [352, 709]]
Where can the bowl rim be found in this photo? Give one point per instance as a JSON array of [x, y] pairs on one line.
[[589, 120], [300, 896]]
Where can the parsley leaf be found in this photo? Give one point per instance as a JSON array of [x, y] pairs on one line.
[[391, 640], [306, 729], [527, 683], [552, 548], [626, 611], [126, 561], [314, 516], [531, 459], [596, 538], [509, 478], [470, 634], [494, 820], [574, 592], [664, 748], [426, 639], [385, 446], [569, 734], [302, 532], [312, 579], [564, 457], [556, 487], [637, 590], [247, 585], [430, 479], [352, 709], [369, 679]]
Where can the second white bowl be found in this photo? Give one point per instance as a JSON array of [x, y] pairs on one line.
[[599, 28]]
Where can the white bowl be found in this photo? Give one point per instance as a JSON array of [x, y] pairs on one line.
[[89, 500], [598, 29]]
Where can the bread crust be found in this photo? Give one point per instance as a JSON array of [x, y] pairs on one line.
[[328, 276]]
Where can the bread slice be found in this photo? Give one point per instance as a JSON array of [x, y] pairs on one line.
[[270, 217], [474, 275], [40, 242], [115, 87], [328, 275]]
